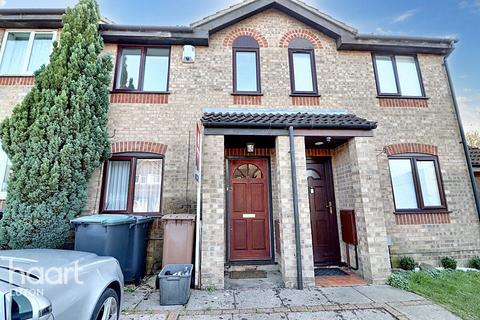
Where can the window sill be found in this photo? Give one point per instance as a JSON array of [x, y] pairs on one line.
[[429, 211], [140, 92], [310, 95], [144, 214], [401, 97], [246, 94]]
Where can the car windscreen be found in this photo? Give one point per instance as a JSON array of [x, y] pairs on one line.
[[21, 308]]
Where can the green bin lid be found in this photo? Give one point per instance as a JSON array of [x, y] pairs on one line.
[[105, 219]]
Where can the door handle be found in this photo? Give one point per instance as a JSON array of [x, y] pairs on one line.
[[330, 207]]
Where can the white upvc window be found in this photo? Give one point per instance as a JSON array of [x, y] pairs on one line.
[[24, 51], [5, 166]]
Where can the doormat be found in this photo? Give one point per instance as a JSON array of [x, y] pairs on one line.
[[330, 272], [254, 274]]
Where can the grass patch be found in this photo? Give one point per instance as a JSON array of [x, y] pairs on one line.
[[457, 291]]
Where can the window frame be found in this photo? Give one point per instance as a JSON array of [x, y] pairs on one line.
[[132, 157], [294, 92], [141, 74], [414, 158], [397, 79], [234, 60], [28, 52]]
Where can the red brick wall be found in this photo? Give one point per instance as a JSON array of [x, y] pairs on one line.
[[410, 148], [234, 34], [403, 102]]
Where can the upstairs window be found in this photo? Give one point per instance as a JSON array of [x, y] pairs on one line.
[[416, 183], [24, 52], [398, 76], [303, 76], [133, 184], [246, 66], [142, 69]]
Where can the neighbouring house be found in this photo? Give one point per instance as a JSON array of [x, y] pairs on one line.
[[301, 118], [475, 158]]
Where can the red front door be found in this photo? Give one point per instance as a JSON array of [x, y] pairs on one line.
[[249, 220], [323, 217]]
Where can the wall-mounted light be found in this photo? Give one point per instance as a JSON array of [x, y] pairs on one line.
[[318, 143], [250, 147]]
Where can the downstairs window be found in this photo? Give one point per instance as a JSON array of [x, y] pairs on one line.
[[416, 182], [133, 184]]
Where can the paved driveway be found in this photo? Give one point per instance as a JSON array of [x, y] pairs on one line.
[[345, 303]]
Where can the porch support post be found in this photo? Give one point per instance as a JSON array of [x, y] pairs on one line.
[[372, 234], [213, 212], [283, 173]]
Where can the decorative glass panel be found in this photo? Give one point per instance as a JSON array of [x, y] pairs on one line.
[[428, 183], [313, 174], [14, 53], [246, 71], [156, 69], [408, 76], [403, 185], [148, 184], [302, 72], [41, 49], [248, 171], [129, 70], [386, 75], [117, 185]]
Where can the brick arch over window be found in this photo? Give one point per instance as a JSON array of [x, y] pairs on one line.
[[232, 35], [411, 148], [300, 33], [138, 146]]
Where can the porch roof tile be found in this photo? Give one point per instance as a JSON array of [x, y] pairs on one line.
[[283, 120]]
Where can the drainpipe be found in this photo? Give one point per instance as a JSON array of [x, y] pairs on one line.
[[464, 141], [295, 210]]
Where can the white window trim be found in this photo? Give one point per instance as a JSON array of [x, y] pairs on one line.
[[26, 60], [3, 168]]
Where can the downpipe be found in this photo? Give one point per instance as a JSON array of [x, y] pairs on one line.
[[464, 140], [298, 250]]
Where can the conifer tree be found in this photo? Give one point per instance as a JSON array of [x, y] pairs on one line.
[[57, 136]]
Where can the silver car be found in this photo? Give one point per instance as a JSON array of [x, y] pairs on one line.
[[59, 285]]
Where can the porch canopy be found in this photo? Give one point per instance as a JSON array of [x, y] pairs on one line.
[[276, 122]]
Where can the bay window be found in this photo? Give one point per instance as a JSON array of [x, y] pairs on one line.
[[24, 52], [142, 69], [246, 66], [398, 75], [416, 183], [132, 184]]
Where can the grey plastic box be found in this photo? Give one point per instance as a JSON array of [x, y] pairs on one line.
[[175, 290]]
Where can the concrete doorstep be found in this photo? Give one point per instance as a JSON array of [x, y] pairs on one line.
[[378, 302]]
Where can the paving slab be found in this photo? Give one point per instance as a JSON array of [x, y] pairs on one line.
[[206, 317], [132, 299], [273, 280], [152, 304], [260, 316], [344, 295], [257, 298], [426, 312], [384, 293], [143, 317], [204, 300], [370, 314], [307, 297]]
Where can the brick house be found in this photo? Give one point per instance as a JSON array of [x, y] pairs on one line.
[[302, 119]]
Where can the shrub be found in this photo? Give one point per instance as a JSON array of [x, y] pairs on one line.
[[399, 280], [449, 263], [407, 263], [474, 263], [57, 136]]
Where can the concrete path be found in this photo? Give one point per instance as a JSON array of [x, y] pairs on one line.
[[346, 303]]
